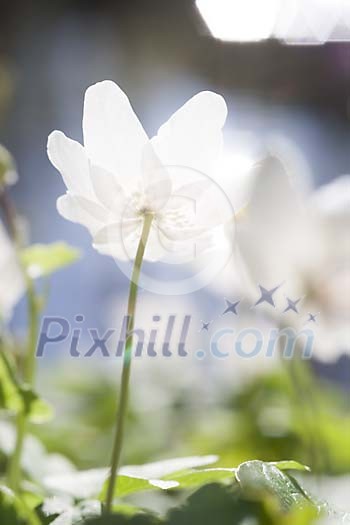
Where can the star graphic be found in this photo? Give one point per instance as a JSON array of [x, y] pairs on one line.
[[267, 295], [292, 305], [312, 318], [205, 326], [231, 307]]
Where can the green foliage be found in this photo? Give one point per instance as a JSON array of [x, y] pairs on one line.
[[197, 493], [290, 465], [256, 477], [253, 478], [255, 490], [9, 508], [18, 397], [222, 505], [227, 506], [14, 511], [264, 420], [196, 478], [130, 485], [122, 519], [40, 260], [132, 479]]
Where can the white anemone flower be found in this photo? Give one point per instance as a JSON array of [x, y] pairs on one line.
[[300, 241], [120, 176], [12, 286]]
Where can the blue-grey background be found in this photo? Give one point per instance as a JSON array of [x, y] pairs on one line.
[[161, 54]]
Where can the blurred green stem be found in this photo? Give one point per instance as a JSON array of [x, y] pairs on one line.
[[125, 379], [14, 471], [305, 390], [14, 468], [33, 317]]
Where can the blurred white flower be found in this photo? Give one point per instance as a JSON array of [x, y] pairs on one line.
[[120, 175], [238, 177], [12, 285], [301, 241]]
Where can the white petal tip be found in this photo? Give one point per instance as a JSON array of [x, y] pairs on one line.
[[107, 87], [216, 102], [53, 137]]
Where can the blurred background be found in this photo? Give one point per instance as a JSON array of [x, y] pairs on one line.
[[289, 82], [161, 53]]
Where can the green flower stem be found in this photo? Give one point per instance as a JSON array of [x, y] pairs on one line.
[[33, 318], [14, 468], [125, 379]]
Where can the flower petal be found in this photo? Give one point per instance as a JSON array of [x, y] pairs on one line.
[[155, 181], [192, 137], [274, 233], [113, 136], [330, 204], [155, 248], [83, 211], [117, 231], [171, 249], [107, 189], [175, 233], [119, 239], [69, 158]]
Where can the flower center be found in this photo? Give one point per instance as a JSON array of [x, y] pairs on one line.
[[141, 205]]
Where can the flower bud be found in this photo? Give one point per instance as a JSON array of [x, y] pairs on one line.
[[8, 173]]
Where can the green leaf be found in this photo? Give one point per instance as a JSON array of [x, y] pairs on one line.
[[44, 259], [38, 410], [32, 498], [258, 478], [126, 510], [131, 479], [10, 396], [217, 504], [197, 478], [121, 519], [157, 475], [8, 507], [13, 510], [193, 478], [161, 469], [290, 465], [224, 505], [17, 397], [128, 485]]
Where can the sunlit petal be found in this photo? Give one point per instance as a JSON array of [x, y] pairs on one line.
[[192, 137], [113, 136], [69, 158]]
